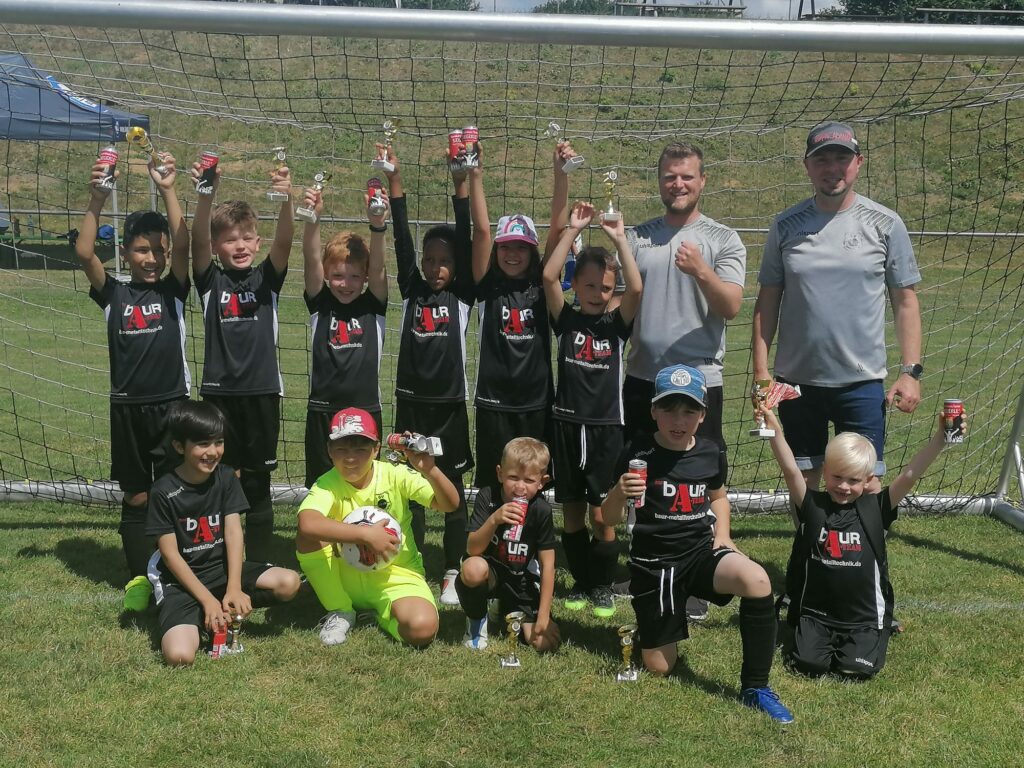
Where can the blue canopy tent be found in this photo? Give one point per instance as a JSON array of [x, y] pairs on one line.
[[35, 106]]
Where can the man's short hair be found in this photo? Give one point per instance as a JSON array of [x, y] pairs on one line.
[[852, 453], [680, 150], [346, 248], [525, 452], [232, 213], [196, 421], [596, 254]]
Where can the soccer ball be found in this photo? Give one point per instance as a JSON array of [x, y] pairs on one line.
[[353, 554]]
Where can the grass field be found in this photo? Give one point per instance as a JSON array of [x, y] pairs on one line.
[[83, 684]]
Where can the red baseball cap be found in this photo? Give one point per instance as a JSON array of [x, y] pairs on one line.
[[353, 422]]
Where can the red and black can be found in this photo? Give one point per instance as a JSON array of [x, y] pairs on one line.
[[953, 420], [638, 467], [108, 157], [375, 189], [208, 163], [515, 532], [470, 137], [455, 138], [219, 644]]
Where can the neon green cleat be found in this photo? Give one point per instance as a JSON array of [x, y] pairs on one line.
[[137, 593], [575, 600]]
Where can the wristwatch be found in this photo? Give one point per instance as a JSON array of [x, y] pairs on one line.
[[914, 370]]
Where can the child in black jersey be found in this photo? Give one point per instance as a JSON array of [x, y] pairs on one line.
[[681, 541], [346, 292], [588, 430], [199, 572], [838, 577], [241, 375], [146, 336], [512, 555], [514, 387], [430, 384]]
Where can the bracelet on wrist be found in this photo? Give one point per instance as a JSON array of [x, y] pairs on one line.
[[382, 228]]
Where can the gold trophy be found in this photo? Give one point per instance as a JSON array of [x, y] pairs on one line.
[[610, 214], [760, 393], [554, 131], [308, 214], [628, 673], [137, 135], [234, 630], [514, 621], [390, 129], [272, 194]]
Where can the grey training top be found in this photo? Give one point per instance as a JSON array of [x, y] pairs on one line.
[[674, 324], [834, 269]]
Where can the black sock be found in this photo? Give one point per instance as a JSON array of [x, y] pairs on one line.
[[757, 633], [604, 557], [455, 531], [259, 520], [577, 556], [472, 599], [136, 544], [419, 525]]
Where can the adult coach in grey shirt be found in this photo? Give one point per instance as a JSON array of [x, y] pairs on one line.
[[693, 270], [828, 263]]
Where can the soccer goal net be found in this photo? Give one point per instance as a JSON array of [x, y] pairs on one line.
[[942, 130]]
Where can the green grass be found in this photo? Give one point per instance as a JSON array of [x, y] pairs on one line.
[[84, 685]]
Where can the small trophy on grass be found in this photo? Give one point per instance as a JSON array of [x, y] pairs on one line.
[[628, 673], [514, 622], [234, 630]]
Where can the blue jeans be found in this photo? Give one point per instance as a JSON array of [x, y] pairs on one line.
[[856, 408]]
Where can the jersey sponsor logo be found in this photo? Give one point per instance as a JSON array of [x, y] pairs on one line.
[[238, 306], [345, 334], [204, 530], [141, 318], [431, 320], [685, 496], [585, 347], [517, 323], [511, 552], [852, 241], [836, 543]]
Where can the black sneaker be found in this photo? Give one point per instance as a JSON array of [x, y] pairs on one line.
[[604, 602], [696, 609]]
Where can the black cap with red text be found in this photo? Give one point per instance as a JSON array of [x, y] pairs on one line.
[[831, 135]]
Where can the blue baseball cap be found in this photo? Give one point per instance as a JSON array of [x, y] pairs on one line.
[[681, 380]]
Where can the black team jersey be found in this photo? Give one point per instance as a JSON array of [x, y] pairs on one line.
[[347, 342], [432, 351], [676, 519], [844, 582], [514, 369], [514, 558], [590, 370], [240, 318], [146, 339], [195, 515]]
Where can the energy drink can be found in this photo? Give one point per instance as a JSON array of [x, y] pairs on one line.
[[953, 420], [470, 137], [455, 138], [220, 643], [375, 188], [208, 163], [108, 157], [638, 467], [416, 443], [515, 532]]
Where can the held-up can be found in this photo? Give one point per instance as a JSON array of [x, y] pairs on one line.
[[374, 188], [208, 164], [953, 420], [108, 158], [638, 467], [470, 137], [454, 145], [416, 443], [515, 532]]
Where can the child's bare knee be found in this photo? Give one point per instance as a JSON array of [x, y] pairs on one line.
[[288, 586], [475, 571], [419, 628]]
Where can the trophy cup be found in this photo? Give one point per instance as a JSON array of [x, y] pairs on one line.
[[234, 630], [137, 135], [272, 194], [308, 214], [514, 621], [554, 131], [375, 189], [761, 395], [769, 394], [610, 214], [627, 673], [390, 129]]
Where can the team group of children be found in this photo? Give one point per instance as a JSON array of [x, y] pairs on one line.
[[190, 469]]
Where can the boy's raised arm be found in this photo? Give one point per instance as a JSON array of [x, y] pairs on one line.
[[481, 222], [284, 233], [312, 266], [582, 214], [463, 245], [405, 246], [559, 197], [377, 276], [630, 301], [85, 246], [202, 242], [918, 465], [175, 216], [791, 474]]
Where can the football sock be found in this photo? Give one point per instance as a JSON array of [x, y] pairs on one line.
[[604, 557], [321, 573], [259, 521], [455, 530], [577, 556], [419, 525], [757, 633], [472, 599], [136, 544]]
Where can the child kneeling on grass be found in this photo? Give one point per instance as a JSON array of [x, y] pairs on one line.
[[398, 593], [511, 553], [681, 543], [838, 574], [199, 575]]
